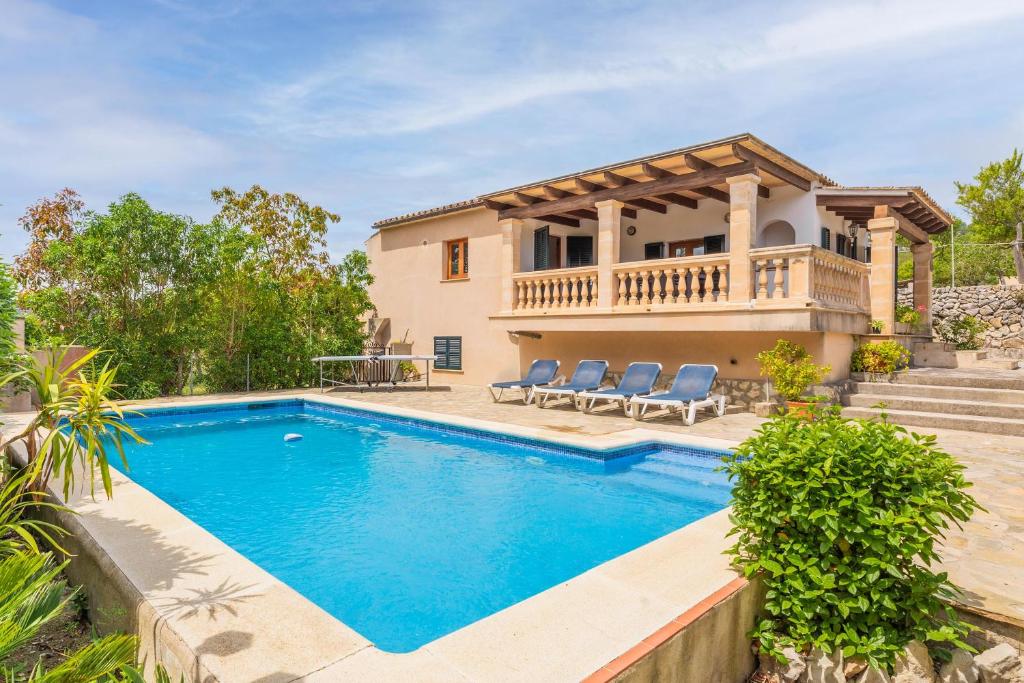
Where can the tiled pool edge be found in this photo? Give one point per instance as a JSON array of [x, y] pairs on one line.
[[599, 614]]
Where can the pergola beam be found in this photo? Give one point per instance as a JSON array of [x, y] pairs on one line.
[[681, 200], [560, 220], [632, 192], [770, 167], [555, 193], [527, 198], [712, 193]]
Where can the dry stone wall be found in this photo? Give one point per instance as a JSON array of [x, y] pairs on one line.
[[1001, 307]]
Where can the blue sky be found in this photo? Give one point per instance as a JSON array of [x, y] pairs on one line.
[[378, 108]]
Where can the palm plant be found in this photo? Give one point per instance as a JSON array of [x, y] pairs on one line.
[[78, 419], [77, 423]]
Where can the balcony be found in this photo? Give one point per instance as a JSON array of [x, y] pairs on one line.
[[801, 287]]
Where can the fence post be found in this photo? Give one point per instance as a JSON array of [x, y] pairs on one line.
[[247, 373]]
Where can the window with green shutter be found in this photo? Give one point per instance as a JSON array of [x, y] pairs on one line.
[[448, 351]]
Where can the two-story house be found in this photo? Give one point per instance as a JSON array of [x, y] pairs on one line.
[[705, 254]]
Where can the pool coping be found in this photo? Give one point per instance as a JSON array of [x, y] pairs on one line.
[[570, 631]]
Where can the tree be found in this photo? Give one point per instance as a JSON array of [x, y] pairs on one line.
[[976, 261], [996, 203], [289, 232], [8, 316]]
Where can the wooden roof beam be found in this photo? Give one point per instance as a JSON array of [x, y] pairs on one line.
[[770, 167], [527, 199], [555, 193], [560, 220], [681, 200], [632, 192], [497, 206], [712, 193], [583, 213], [696, 163]]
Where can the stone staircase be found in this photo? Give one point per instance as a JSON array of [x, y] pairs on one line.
[[979, 399]]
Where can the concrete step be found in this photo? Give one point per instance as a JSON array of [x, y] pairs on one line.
[[999, 363], [1011, 379], [886, 390], [970, 423], [945, 406]]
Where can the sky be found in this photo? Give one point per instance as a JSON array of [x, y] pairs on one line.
[[373, 109]]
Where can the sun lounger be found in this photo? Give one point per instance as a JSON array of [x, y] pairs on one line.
[[589, 375], [541, 373], [638, 380], [691, 390]]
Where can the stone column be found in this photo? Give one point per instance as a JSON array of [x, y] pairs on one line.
[[609, 224], [742, 226], [511, 233], [883, 272], [922, 254]]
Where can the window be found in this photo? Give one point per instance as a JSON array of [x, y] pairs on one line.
[[826, 238], [449, 353], [654, 250], [841, 244], [456, 259], [714, 244], [579, 251], [547, 249]]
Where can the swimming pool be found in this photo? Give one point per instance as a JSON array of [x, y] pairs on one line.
[[407, 530]]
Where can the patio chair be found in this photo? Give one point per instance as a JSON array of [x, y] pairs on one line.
[[690, 391], [541, 373], [638, 380], [589, 375]]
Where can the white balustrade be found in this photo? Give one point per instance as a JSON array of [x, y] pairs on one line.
[[564, 289]]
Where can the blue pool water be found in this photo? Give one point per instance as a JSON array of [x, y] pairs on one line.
[[403, 531]]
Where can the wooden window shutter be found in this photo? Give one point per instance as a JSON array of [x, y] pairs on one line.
[[826, 238], [579, 251], [714, 244]]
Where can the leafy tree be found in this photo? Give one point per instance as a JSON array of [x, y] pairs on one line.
[[996, 202], [175, 300], [8, 316]]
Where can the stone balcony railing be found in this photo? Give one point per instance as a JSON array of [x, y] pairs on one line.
[[779, 277]]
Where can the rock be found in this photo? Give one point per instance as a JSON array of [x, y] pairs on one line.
[[789, 672], [1000, 664], [854, 666], [914, 665], [873, 675], [960, 669], [824, 668]]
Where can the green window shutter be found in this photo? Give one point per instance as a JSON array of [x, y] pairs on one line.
[[826, 238], [541, 249], [448, 351], [653, 250]]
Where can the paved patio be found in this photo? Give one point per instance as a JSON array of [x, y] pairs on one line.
[[986, 558]]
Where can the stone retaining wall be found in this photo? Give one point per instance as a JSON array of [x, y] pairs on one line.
[[1001, 307]]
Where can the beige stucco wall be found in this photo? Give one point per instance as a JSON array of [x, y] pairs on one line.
[[409, 288], [733, 352]]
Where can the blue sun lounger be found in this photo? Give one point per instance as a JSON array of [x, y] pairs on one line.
[[541, 373], [588, 375], [638, 380], [691, 390]]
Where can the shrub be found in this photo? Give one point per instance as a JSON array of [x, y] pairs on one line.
[[963, 331], [877, 326], [907, 315], [791, 369], [840, 519], [883, 357]]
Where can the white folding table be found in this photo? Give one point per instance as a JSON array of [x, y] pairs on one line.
[[355, 362]]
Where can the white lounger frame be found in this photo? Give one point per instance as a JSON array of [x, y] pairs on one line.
[[528, 392], [688, 408]]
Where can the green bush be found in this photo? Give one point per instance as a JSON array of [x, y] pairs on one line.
[[791, 369], [907, 315], [883, 357], [963, 331], [840, 519]]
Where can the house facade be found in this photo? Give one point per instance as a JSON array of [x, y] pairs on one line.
[[705, 254]]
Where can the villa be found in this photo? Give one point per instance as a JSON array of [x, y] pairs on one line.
[[704, 254]]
